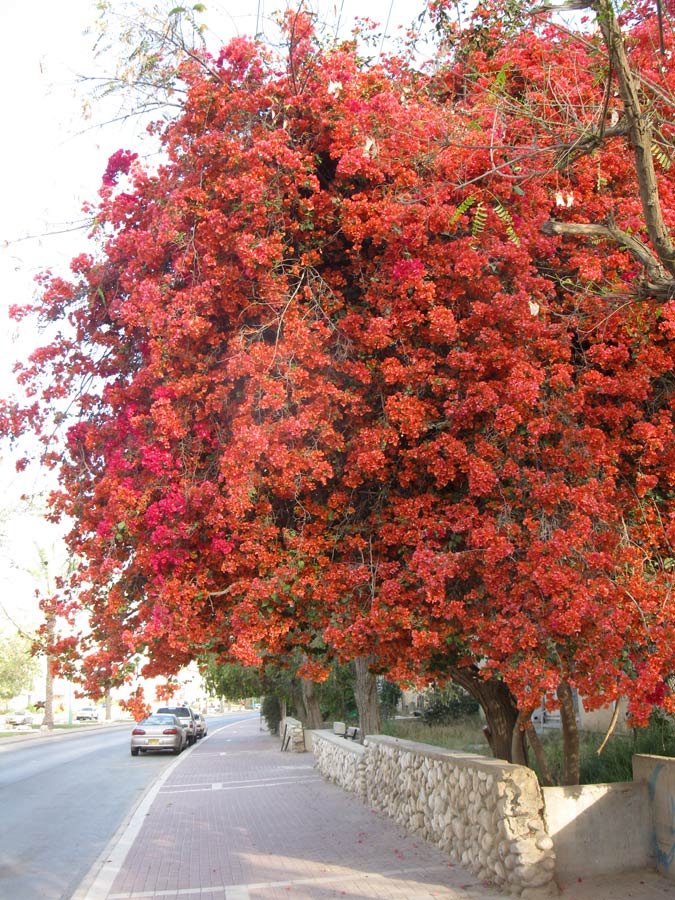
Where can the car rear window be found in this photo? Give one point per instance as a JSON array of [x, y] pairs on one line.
[[176, 711], [159, 720]]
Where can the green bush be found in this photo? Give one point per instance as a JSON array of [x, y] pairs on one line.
[[389, 696], [449, 706], [336, 695], [271, 712]]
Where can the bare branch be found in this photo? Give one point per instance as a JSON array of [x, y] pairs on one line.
[[639, 133], [659, 284]]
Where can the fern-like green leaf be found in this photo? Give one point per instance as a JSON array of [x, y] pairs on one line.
[[661, 157], [466, 204], [479, 220], [506, 218]]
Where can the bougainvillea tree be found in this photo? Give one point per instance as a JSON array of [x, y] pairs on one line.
[[345, 377]]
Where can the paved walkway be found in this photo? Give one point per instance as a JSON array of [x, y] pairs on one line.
[[235, 819]]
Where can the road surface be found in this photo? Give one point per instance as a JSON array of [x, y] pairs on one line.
[[62, 798]]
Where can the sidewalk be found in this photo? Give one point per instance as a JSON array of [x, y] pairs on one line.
[[236, 819]]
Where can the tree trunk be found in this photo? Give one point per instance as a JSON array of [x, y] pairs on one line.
[[108, 705], [501, 712], [367, 702], [518, 744], [48, 718], [313, 716], [571, 758], [545, 774]]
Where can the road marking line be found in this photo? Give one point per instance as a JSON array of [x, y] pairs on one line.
[[236, 787], [242, 891], [244, 782]]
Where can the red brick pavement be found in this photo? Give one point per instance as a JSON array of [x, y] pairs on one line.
[[235, 819]]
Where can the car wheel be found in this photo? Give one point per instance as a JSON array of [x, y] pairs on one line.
[[177, 750], [134, 751]]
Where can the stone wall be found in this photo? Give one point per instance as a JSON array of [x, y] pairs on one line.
[[292, 734], [485, 814], [341, 761]]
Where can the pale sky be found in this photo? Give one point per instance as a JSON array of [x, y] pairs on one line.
[[51, 161]]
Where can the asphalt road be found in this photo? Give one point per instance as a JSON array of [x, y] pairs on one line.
[[62, 798]]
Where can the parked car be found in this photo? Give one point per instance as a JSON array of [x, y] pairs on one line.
[[158, 732], [87, 714], [19, 718], [186, 718], [200, 723]]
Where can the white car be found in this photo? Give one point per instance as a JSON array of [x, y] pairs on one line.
[[19, 718], [87, 714]]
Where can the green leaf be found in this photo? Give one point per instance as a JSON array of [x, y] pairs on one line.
[[466, 204], [500, 77], [661, 157], [505, 216], [479, 220]]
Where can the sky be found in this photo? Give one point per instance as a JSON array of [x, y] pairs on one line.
[[57, 140]]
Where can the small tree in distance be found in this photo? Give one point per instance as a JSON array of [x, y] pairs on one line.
[[18, 669]]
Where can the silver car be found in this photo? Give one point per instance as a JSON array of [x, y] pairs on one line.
[[186, 718], [200, 724], [158, 732]]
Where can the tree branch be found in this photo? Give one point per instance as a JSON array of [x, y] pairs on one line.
[[659, 283], [639, 133]]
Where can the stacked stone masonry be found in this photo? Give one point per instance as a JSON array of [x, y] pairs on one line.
[[292, 735], [487, 815]]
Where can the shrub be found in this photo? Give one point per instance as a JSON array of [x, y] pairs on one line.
[[271, 712], [615, 763], [389, 695], [449, 705]]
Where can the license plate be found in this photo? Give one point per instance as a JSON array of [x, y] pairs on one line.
[[153, 740]]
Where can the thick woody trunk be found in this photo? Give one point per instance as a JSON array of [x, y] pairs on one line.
[[367, 701], [518, 741], [506, 740], [545, 775], [313, 717], [571, 757]]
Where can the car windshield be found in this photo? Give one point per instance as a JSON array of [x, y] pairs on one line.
[[158, 720]]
